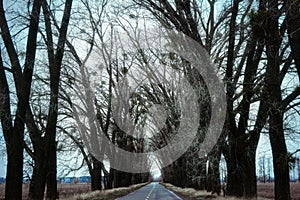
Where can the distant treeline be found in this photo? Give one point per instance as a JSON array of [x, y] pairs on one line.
[[69, 180]]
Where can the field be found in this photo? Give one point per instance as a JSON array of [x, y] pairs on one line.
[[68, 191], [265, 191], [65, 190], [82, 192]]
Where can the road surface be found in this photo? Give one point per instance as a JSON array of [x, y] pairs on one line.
[[152, 191]]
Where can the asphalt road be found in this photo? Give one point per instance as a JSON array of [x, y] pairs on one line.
[[152, 191]]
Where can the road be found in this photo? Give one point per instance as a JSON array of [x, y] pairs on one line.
[[152, 191]]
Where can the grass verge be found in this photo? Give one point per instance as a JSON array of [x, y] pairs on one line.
[[107, 194]]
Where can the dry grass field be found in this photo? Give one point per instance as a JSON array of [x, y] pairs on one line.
[[82, 191], [65, 190], [265, 191]]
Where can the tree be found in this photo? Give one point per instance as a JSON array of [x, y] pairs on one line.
[[98, 97], [22, 80], [244, 32], [277, 105], [55, 63], [276, 133], [14, 131], [188, 17], [44, 147], [254, 45], [262, 169]]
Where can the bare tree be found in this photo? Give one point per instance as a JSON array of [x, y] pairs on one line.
[[22, 81], [262, 169], [277, 105], [243, 25], [189, 18], [14, 131]]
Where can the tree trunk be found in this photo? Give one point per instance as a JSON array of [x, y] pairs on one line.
[[96, 177], [122, 179], [55, 62], [249, 172], [293, 29], [179, 177], [276, 135], [273, 86], [213, 175], [110, 179], [14, 142], [52, 192], [38, 180], [234, 187], [234, 172], [14, 174], [241, 179], [280, 156]]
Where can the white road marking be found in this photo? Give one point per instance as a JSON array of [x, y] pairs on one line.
[[148, 196]]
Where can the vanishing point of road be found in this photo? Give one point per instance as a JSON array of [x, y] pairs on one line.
[[152, 191]]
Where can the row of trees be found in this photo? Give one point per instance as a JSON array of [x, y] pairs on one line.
[[265, 169], [255, 45], [43, 123], [43, 146], [46, 74]]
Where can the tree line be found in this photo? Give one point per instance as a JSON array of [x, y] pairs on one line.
[[45, 48]]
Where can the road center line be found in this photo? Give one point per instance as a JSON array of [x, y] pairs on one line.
[[148, 196]]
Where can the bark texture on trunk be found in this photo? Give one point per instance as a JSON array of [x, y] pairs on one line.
[[96, 177], [273, 87]]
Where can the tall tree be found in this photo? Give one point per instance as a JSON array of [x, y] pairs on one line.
[[188, 17], [95, 166], [14, 132], [55, 63], [244, 38], [45, 146], [275, 102]]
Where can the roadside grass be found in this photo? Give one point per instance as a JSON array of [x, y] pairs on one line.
[[192, 194], [106, 194]]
